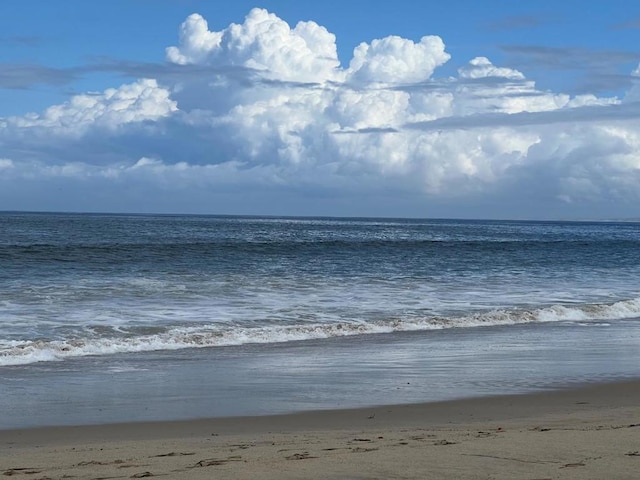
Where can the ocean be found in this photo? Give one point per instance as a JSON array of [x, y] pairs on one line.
[[108, 318]]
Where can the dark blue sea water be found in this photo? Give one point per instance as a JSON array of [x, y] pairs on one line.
[[140, 298]]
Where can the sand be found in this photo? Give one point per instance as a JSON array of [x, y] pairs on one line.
[[590, 432]]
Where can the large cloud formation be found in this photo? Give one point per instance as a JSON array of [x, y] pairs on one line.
[[263, 118]]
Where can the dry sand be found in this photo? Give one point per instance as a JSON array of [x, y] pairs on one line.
[[590, 432]]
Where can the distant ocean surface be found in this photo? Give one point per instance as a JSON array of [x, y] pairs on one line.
[[89, 288]]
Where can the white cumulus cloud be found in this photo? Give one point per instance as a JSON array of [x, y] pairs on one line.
[[395, 59], [136, 102], [264, 42], [481, 67]]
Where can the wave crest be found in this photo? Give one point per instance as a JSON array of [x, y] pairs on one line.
[[26, 352]]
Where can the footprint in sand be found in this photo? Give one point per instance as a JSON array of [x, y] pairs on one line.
[[300, 456], [23, 470]]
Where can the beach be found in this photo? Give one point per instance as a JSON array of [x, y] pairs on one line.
[[592, 431]]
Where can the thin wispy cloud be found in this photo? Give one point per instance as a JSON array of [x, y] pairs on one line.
[[22, 76], [519, 22], [587, 114], [590, 70], [22, 41], [569, 58], [633, 24]]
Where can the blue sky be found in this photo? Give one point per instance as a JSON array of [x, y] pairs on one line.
[[504, 110]]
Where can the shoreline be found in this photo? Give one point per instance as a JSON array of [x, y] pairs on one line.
[[625, 393], [589, 431]]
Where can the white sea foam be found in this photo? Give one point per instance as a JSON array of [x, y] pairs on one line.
[[21, 353]]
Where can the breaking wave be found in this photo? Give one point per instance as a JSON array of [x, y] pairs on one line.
[[123, 341]]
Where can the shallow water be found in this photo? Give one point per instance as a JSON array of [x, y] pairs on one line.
[[318, 374]]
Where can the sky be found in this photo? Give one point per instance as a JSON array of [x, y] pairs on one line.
[[460, 109]]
